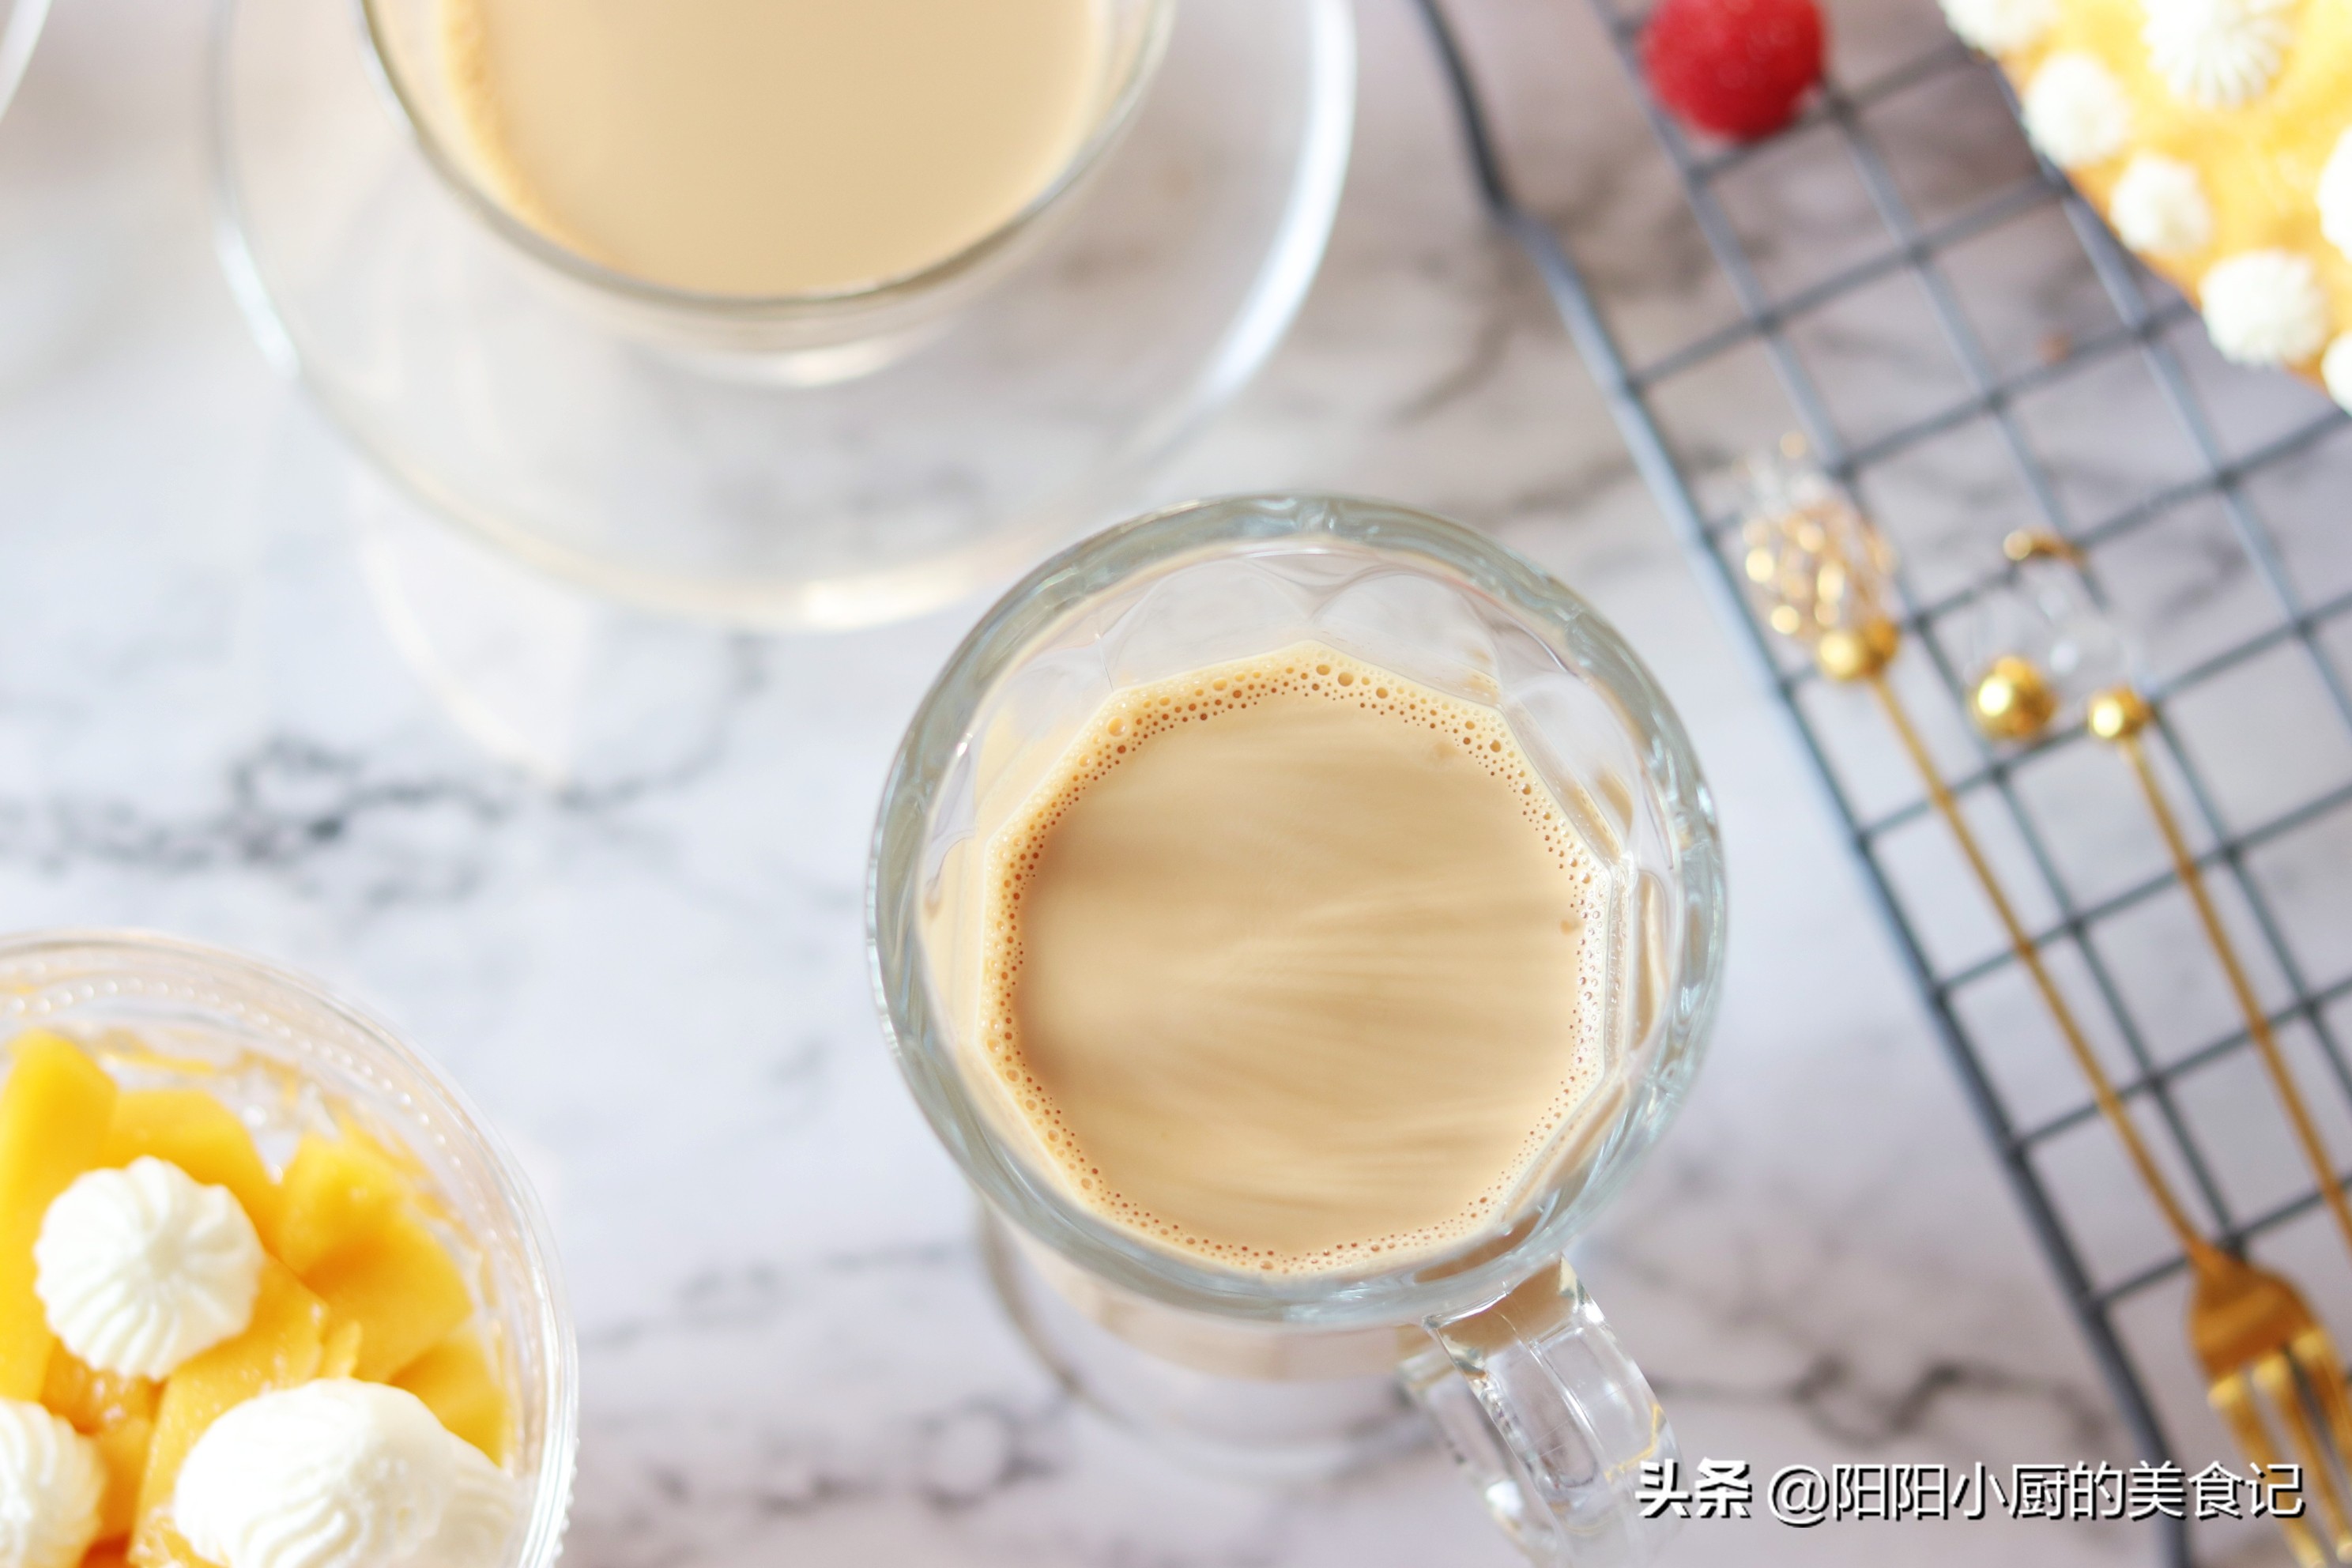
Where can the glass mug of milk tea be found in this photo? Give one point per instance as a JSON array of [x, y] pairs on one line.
[[1298, 915], [768, 176]]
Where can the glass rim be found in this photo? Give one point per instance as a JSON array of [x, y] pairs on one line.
[[485, 204], [920, 1034], [557, 1399], [21, 22]]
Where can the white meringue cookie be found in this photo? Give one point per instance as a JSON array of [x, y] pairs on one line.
[[141, 1268], [480, 1519], [2158, 207], [2264, 308], [2336, 371], [2217, 54], [52, 1480], [2336, 195], [2076, 112], [2000, 26], [333, 1474]]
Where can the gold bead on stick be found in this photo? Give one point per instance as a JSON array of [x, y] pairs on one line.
[[2013, 700]]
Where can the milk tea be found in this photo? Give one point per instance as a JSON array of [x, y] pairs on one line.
[[1294, 964], [772, 147]]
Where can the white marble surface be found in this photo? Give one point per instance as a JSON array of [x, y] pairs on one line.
[[648, 966]]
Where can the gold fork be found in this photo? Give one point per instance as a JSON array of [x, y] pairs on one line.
[[1822, 570], [2252, 1332]]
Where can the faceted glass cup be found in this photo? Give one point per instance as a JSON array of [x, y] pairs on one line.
[[1493, 1335]]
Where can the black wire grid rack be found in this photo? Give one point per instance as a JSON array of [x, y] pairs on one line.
[[2265, 608]]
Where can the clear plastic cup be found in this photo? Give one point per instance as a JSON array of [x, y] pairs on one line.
[[290, 1059]]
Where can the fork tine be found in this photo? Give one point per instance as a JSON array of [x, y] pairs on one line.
[[2315, 1355], [2325, 1374], [2275, 1374], [2233, 1401]]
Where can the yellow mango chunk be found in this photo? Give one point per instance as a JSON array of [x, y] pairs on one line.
[[341, 1356], [346, 1224], [93, 1401], [196, 1132], [458, 1384], [280, 1349], [335, 1195], [53, 1112], [119, 1414], [401, 1286], [155, 1545], [124, 1447]]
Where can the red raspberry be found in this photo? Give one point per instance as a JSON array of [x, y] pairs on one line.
[[1736, 68]]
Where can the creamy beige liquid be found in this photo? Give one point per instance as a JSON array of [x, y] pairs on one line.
[[767, 147], [1293, 964]]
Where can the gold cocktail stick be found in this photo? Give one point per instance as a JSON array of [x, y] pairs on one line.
[[2014, 701], [1821, 569], [2118, 716], [1872, 672]]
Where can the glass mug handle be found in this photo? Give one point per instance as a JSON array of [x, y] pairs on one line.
[[1551, 1419]]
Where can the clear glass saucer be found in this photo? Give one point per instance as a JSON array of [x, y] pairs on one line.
[[714, 485]]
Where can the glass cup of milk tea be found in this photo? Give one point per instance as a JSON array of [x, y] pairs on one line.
[[768, 176], [1298, 916]]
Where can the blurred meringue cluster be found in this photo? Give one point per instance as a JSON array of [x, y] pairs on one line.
[[2217, 139]]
